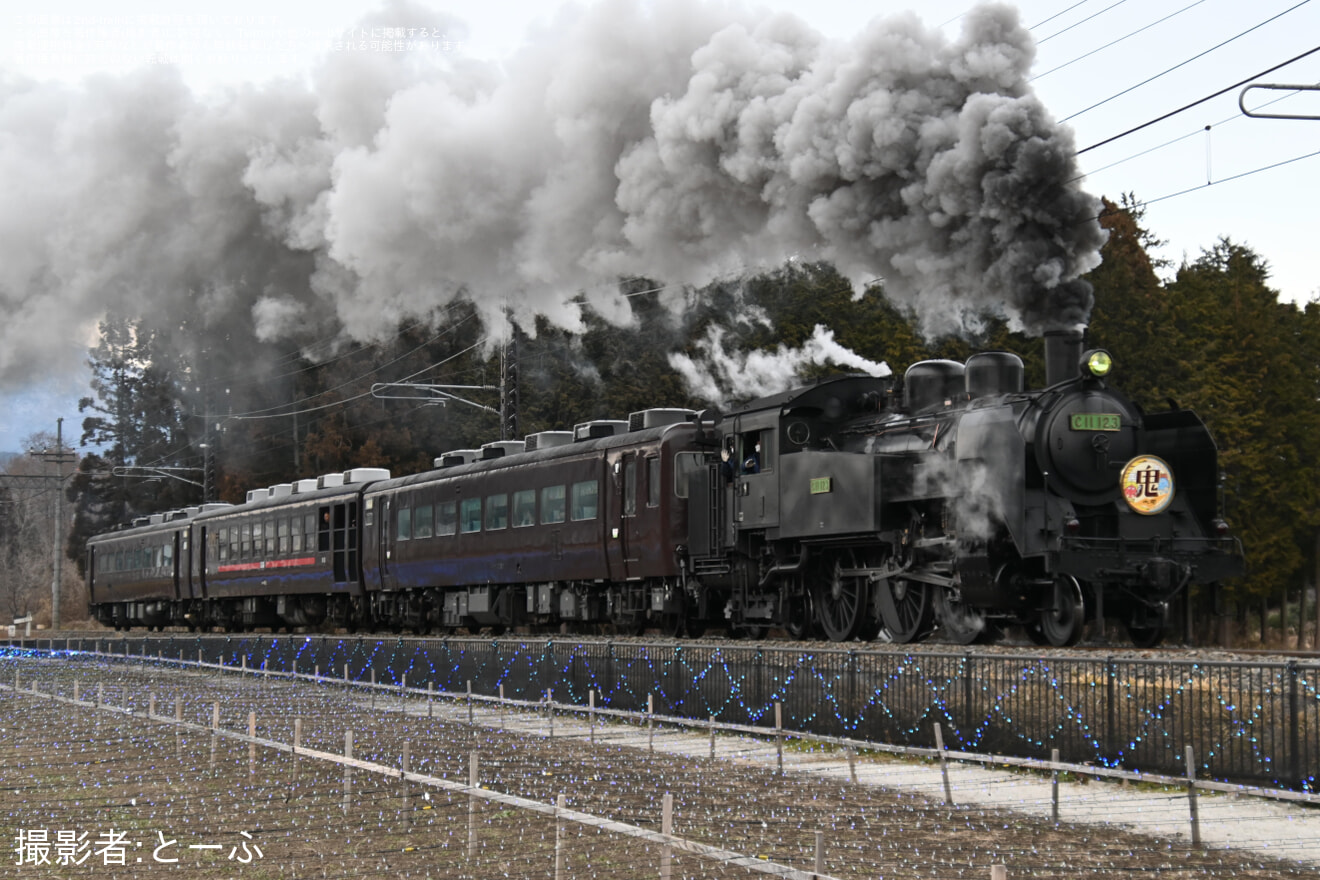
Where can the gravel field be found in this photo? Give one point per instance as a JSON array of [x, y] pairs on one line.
[[174, 794]]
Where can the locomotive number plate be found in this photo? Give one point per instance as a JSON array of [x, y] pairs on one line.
[[822, 485], [1095, 422]]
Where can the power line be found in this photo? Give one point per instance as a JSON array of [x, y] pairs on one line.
[[1234, 177], [1056, 15], [1171, 113], [262, 414], [1082, 22], [1116, 42], [1225, 121], [1184, 64]]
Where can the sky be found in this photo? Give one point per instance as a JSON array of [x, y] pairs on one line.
[[1102, 67]]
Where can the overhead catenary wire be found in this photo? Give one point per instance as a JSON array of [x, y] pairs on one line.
[[1095, 15], [1222, 122], [1117, 41], [1185, 107], [1187, 61]]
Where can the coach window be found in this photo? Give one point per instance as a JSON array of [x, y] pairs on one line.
[[271, 540], [233, 542], [246, 531], [159, 557], [497, 512], [552, 505], [283, 526], [630, 486], [295, 532], [405, 523], [470, 515], [423, 521], [585, 497], [524, 508], [222, 544], [446, 518], [653, 481], [167, 554]]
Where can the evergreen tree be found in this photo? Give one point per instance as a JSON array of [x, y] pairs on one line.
[[136, 416], [1241, 363]]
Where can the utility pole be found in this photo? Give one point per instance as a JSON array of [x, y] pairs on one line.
[[60, 457], [509, 386]]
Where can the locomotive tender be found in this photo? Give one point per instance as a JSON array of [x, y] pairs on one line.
[[837, 509]]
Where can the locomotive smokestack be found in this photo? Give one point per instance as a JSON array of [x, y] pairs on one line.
[[1063, 354]]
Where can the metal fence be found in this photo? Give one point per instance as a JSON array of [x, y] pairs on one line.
[[1253, 723]]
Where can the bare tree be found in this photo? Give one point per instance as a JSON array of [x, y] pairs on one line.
[[28, 487]]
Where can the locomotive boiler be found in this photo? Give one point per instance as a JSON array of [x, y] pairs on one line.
[[843, 508]]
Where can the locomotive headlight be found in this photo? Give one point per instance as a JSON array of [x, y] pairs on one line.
[[1098, 362]]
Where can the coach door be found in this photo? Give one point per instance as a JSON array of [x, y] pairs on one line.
[[630, 537], [618, 521], [386, 536], [176, 560], [334, 536]]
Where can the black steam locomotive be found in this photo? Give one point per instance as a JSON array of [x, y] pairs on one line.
[[838, 509]]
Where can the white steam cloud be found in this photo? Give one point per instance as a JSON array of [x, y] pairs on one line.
[[677, 141], [720, 374]]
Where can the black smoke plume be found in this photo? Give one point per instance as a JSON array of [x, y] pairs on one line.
[[681, 141]]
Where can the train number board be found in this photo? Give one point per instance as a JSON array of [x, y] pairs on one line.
[[1094, 422]]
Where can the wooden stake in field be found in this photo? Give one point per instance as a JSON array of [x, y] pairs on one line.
[[1191, 797], [297, 744], [252, 747], [779, 735], [406, 766], [944, 765], [561, 835], [667, 828], [215, 725], [1054, 787], [348, 771], [473, 781]]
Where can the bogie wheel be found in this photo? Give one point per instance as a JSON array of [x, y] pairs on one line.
[[963, 624], [799, 615], [1147, 629], [1061, 621], [841, 600], [907, 609], [674, 624]]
